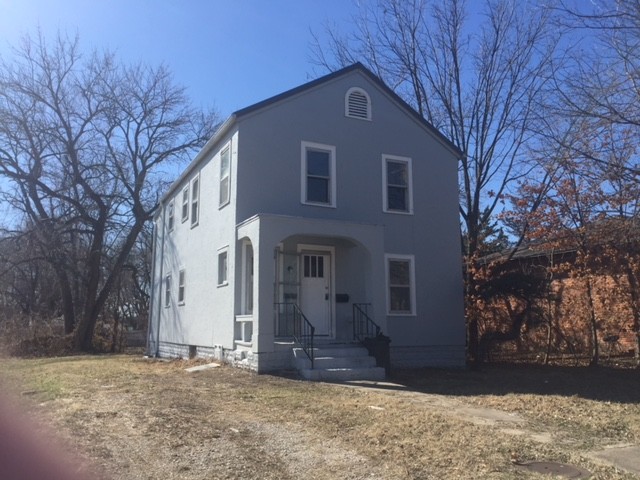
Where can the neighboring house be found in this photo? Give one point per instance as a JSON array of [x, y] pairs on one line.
[[329, 202]]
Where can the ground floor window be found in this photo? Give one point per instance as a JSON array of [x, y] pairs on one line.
[[167, 290], [400, 284], [222, 267], [181, 287]]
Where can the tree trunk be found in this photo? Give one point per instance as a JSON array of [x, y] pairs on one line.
[[116, 327], [96, 300], [473, 341], [595, 351], [68, 310], [547, 352]]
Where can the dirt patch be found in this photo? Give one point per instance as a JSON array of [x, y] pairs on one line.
[[141, 419]]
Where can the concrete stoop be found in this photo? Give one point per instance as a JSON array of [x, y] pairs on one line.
[[338, 363]]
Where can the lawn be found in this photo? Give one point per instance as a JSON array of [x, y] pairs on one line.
[[133, 418]]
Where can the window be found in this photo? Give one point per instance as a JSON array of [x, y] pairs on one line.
[[400, 285], [181, 280], [397, 194], [222, 267], [195, 200], [167, 291], [170, 218], [318, 174], [357, 104], [225, 168], [185, 203]]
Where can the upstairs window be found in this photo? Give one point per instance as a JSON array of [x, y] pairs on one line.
[[170, 219], [225, 169], [397, 195], [185, 203], [318, 174], [357, 104], [195, 200]]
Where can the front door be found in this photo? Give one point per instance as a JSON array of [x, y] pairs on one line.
[[315, 292]]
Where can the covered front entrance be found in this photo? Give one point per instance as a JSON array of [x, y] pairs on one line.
[[308, 277]]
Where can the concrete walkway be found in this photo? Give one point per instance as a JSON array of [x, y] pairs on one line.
[[622, 456]]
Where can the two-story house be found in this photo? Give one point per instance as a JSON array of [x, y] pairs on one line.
[[315, 215]]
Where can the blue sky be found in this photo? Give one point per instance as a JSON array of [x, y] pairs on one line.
[[229, 54]]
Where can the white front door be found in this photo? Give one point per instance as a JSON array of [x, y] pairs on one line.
[[315, 292]]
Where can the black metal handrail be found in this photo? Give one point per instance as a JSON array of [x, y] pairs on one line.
[[369, 334], [363, 325], [292, 322]]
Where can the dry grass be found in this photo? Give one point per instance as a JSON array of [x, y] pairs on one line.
[[138, 419]]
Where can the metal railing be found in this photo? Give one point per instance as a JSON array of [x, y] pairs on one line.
[[292, 322], [363, 326], [369, 334]]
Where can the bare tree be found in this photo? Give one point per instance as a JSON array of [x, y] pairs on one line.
[[482, 84], [601, 83], [82, 139]]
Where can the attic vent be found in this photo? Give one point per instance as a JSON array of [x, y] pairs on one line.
[[357, 104]]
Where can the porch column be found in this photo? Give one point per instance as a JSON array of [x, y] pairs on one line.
[[258, 231], [264, 278]]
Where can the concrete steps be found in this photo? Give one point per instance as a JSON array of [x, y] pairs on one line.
[[338, 363]]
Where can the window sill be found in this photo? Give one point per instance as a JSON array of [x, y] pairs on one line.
[[223, 284], [194, 225], [398, 314], [398, 212], [323, 205], [181, 304], [221, 206]]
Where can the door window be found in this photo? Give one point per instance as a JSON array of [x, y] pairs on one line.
[[313, 266]]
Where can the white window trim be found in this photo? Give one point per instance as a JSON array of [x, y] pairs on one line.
[[171, 219], [195, 200], [228, 199], [185, 201], [412, 278], [182, 279], [397, 159], [167, 291], [222, 250], [332, 172], [346, 103]]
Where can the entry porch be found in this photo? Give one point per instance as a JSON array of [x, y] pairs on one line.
[[306, 283]]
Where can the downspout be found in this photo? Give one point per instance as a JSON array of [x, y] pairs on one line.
[[157, 353], [151, 294]]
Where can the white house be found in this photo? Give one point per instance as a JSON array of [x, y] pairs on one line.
[[332, 207]]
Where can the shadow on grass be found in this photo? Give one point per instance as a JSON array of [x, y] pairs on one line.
[[600, 384]]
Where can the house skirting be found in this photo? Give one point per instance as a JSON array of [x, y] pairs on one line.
[[428, 356], [281, 359]]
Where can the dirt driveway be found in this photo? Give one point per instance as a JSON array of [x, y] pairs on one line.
[[145, 419]]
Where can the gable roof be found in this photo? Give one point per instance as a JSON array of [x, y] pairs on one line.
[[231, 120], [339, 73]]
